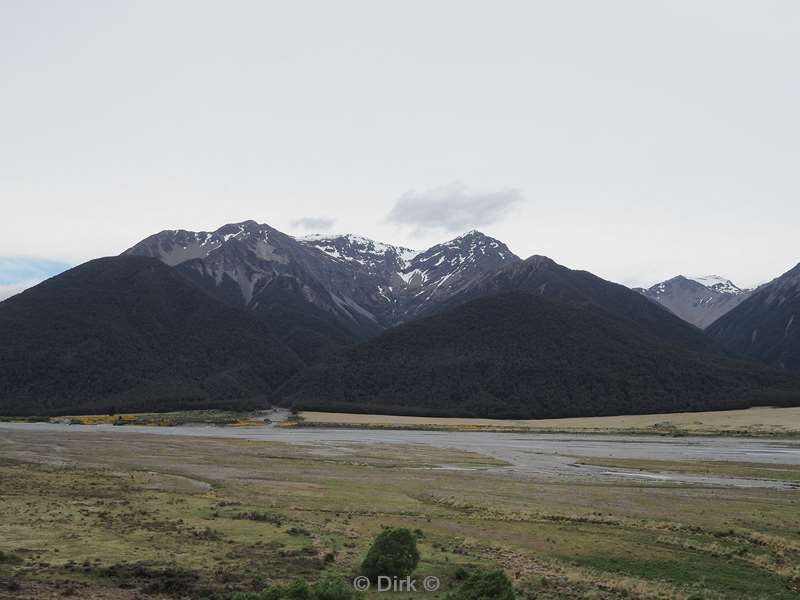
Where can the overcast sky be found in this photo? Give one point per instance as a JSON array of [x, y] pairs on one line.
[[636, 139]]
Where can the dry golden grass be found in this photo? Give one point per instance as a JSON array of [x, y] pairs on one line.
[[754, 421]]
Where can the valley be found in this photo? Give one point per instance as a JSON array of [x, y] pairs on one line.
[[399, 300], [164, 512]]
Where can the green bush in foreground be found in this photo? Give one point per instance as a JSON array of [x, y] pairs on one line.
[[329, 589], [486, 585], [393, 554]]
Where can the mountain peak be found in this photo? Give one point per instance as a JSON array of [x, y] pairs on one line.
[[472, 233], [678, 281], [720, 284], [539, 259], [471, 236]]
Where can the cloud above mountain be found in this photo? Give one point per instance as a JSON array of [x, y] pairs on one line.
[[316, 224], [452, 208]]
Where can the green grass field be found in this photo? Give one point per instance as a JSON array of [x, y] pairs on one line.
[[103, 516]]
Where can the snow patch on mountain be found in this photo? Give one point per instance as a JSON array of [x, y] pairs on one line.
[[358, 249], [720, 284]]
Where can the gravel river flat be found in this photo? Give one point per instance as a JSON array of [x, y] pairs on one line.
[[550, 456]]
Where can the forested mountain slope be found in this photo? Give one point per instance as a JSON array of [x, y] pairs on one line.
[[521, 355], [131, 333]]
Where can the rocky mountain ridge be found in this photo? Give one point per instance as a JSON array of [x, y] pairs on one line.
[[363, 285]]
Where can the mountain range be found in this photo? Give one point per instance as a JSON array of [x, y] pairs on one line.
[[246, 315], [320, 292]]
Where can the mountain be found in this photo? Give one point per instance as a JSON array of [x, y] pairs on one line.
[[374, 268], [130, 333], [443, 271], [526, 355], [697, 300], [544, 277], [305, 295], [766, 325], [323, 291]]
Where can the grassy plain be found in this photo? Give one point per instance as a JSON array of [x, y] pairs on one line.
[[753, 421], [134, 516]]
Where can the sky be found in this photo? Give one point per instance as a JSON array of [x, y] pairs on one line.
[[636, 140]]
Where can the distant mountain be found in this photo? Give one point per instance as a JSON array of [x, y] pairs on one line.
[[130, 333], [528, 355], [544, 277], [697, 300], [766, 325], [719, 284], [322, 291]]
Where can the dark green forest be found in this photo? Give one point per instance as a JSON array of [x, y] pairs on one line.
[[517, 355], [130, 333]]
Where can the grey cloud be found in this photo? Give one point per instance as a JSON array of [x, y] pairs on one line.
[[452, 208], [318, 224]]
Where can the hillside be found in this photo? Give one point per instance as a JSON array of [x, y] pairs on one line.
[[766, 326], [130, 333], [543, 277], [518, 355]]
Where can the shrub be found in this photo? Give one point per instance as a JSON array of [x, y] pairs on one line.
[[8, 557], [12, 585], [260, 517], [393, 554], [333, 589], [328, 589], [486, 585], [170, 581]]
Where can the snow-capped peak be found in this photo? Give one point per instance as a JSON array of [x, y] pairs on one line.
[[357, 249], [315, 237], [720, 284], [471, 233]]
